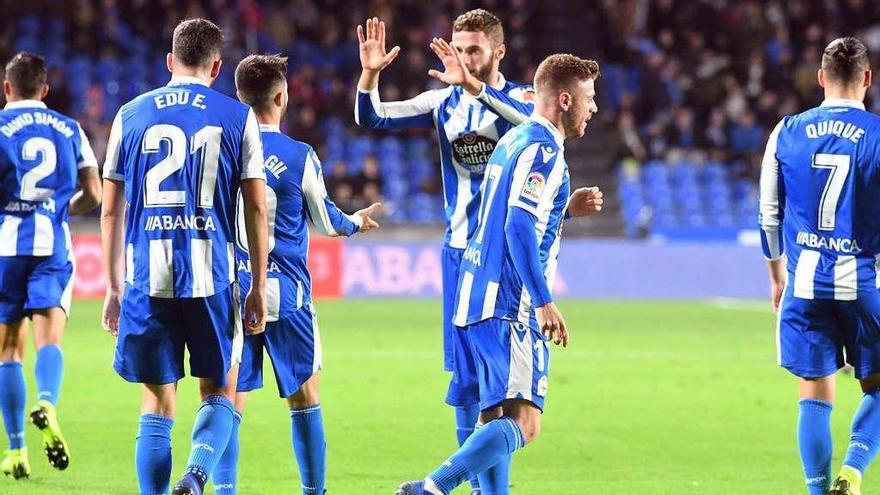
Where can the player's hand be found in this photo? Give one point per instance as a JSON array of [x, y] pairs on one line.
[[367, 216], [455, 71], [552, 324], [776, 292], [371, 42], [110, 315], [255, 312], [585, 201]]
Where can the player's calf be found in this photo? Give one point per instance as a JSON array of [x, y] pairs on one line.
[[307, 436]]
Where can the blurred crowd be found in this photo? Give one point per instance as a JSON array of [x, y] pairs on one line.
[[701, 80]]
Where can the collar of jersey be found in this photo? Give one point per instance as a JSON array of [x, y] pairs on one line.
[[269, 128], [550, 127], [501, 81], [24, 104], [843, 102], [178, 80]]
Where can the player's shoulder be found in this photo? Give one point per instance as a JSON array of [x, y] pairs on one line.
[[520, 91], [205, 98], [281, 148]]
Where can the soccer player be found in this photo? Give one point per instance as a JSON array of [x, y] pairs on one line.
[[43, 155], [818, 200], [470, 116], [296, 197], [177, 158], [504, 299]]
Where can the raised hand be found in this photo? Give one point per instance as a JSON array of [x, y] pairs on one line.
[[371, 43], [455, 71], [367, 216], [585, 201]]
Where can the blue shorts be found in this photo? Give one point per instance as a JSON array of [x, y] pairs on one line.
[[815, 337], [458, 357], [153, 333], [294, 347], [513, 362], [34, 282]]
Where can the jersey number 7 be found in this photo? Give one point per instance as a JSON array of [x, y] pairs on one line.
[[839, 166]]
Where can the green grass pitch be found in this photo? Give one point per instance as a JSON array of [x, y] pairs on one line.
[[650, 398]]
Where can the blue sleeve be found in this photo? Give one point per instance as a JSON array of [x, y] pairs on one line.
[[371, 112], [323, 213], [520, 234], [505, 105]]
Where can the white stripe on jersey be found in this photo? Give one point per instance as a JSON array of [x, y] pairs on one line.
[[114, 143], [489, 300], [202, 259], [273, 298], [252, 149], [552, 262], [805, 273], [519, 382], [161, 268], [525, 307], [129, 263], [299, 294], [44, 235], [845, 279], [545, 206], [230, 258], [9, 236], [237, 330], [318, 350], [459, 219], [464, 299]]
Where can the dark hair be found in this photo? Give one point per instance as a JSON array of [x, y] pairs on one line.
[[482, 21], [845, 60], [257, 76], [26, 72], [196, 42], [559, 71]]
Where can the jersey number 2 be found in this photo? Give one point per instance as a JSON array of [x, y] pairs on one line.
[[839, 166], [32, 149]]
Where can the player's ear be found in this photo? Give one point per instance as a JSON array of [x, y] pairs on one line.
[[821, 77], [564, 100], [44, 92], [869, 77], [500, 51], [169, 62], [215, 68], [7, 89], [279, 99]]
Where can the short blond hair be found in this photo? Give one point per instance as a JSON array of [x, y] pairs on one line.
[[481, 20], [560, 71]]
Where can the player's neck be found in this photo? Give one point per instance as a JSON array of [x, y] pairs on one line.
[[201, 75], [266, 119], [855, 94], [554, 117]]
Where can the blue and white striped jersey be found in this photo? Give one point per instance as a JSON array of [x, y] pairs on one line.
[[820, 180], [181, 151], [295, 195], [41, 152], [527, 171], [468, 129]]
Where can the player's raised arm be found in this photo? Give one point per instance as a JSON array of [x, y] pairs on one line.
[[89, 194], [323, 213], [772, 197], [369, 110], [113, 230], [511, 109]]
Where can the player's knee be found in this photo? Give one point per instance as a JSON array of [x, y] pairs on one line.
[[308, 395], [530, 427]]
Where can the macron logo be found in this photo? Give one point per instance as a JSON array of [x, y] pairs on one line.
[[548, 154], [818, 480], [860, 445], [203, 446]]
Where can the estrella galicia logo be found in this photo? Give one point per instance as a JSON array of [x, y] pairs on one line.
[[472, 151]]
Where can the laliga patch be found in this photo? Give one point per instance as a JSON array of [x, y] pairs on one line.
[[542, 386], [534, 186]]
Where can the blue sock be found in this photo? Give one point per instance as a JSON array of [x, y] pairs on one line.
[[226, 473], [496, 479], [310, 447], [814, 441], [210, 435], [13, 401], [152, 454], [865, 440], [488, 446], [48, 371], [465, 422]]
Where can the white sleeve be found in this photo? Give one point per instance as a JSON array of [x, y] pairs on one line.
[[418, 112], [252, 150], [87, 155], [114, 142], [771, 199], [324, 215]]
